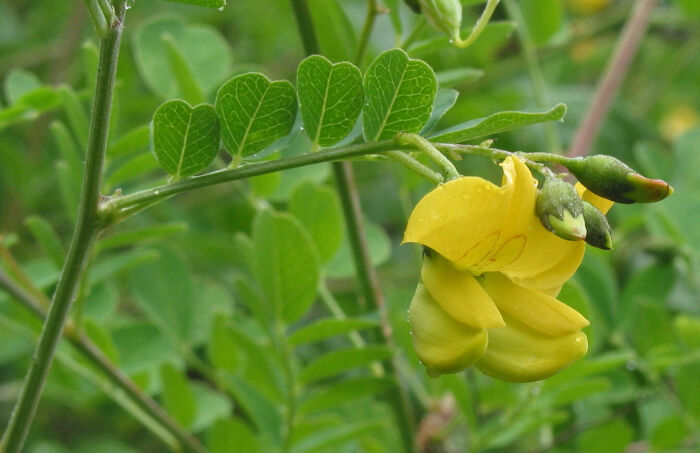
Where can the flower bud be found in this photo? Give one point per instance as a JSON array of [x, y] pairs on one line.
[[613, 179], [445, 15], [597, 227], [560, 209]]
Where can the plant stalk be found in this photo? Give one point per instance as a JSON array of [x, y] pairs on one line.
[[86, 230], [118, 204], [372, 11]]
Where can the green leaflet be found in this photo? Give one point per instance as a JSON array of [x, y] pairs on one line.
[[343, 391], [177, 395], [47, 237], [254, 112], [19, 82], [286, 264], [400, 93], [341, 360], [185, 139], [497, 123], [329, 327], [329, 439], [231, 434], [331, 98], [318, 209], [334, 30], [207, 3], [202, 48]]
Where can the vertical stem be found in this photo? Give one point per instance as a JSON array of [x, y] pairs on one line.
[[305, 26], [365, 272], [366, 31], [530, 53], [86, 230], [616, 69]]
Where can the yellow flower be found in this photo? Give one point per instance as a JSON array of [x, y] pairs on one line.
[[490, 277]]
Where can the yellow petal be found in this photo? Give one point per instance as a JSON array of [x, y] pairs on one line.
[[517, 217], [603, 204], [546, 260], [472, 222], [442, 344], [534, 309], [517, 353], [554, 272], [458, 293]]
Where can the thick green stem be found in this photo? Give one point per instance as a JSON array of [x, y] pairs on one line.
[[86, 230], [530, 53], [119, 204], [98, 17]]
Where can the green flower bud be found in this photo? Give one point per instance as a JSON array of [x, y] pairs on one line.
[[560, 209], [611, 178], [445, 15], [597, 227]]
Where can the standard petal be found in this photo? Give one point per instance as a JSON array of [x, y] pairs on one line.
[[461, 219], [474, 223], [603, 204], [442, 344], [512, 240], [517, 353], [534, 309], [458, 293]]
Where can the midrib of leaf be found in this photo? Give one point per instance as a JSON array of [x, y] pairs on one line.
[[252, 120], [323, 109], [277, 279], [184, 145], [391, 105]]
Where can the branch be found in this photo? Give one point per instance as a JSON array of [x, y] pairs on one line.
[[118, 204]]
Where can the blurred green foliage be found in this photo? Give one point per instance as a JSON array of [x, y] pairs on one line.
[[181, 297]]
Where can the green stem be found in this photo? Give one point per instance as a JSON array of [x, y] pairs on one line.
[[366, 31], [530, 53], [305, 26], [86, 230], [535, 161], [119, 204], [415, 166], [355, 338], [98, 17], [416, 141], [480, 25], [285, 354]]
